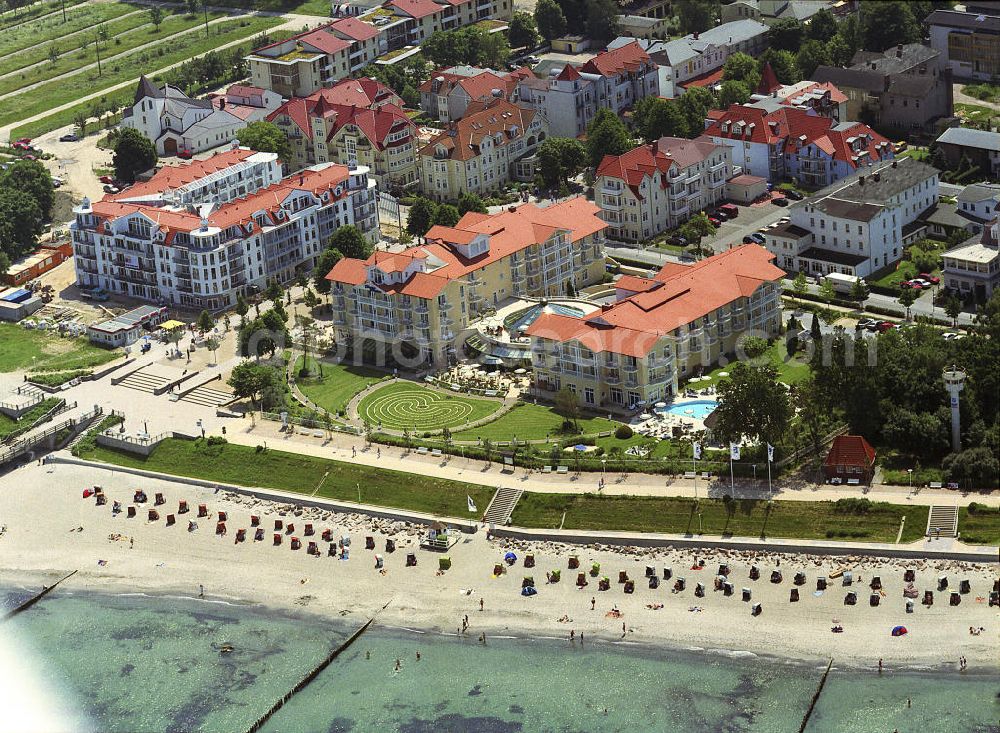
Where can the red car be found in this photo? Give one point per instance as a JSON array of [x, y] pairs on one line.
[[21, 145], [933, 279], [106, 179], [884, 326], [25, 140], [714, 222], [184, 154]]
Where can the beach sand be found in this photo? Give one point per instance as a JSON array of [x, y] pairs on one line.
[[42, 508]]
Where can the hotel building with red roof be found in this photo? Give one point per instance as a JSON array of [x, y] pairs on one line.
[[426, 295], [201, 234], [641, 348], [448, 92], [659, 186], [355, 122]]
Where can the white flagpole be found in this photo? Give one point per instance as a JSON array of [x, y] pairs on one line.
[[694, 466], [732, 480], [769, 479]]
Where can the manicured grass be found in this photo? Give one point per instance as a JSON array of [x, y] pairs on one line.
[[790, 371], [35, 10], [40, 32], [54, 379], [405, 405], [9, 425], [24, 349], [975, 112], [979, 525], [747, 518], [165, 53], [274, 469], [339, 383], [532, 422]]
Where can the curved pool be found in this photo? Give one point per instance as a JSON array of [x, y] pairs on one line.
[[697, 409]]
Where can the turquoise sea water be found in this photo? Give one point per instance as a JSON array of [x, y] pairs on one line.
[[140, 663]]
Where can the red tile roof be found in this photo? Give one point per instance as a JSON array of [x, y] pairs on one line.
[[850, 450], [244, 90], [416, 8], [325, 41], [768, 80], [171, 177], [569, 73], [646, 160], [682, 295], [355, 29], [612, 63], [708, 79], [479, 86], [462, 139]]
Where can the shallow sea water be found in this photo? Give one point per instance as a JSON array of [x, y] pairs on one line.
[[142, 663]]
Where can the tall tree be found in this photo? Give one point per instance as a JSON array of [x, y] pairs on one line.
[[560, 158], [446, 215], [811, 55], [550, 19], [156, 17], [350, 242], [697, 16], [753, 405], [602, 20], [606, 135], [822, 26], [733, 92], [327, 259], [783, 63], [34, 179], [567, 406], [266, 137], [786, 35], [20, 223], [695, 103], [249, 379], [468, 201], [575, 12], [134, 153], [421, 217], [523, 32], [888, 23], [742, 67], [205, 322], [655, 117]]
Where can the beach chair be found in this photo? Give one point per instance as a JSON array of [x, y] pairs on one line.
[[308, 531], [654, 582], [793, 595], [668, 573], [327, 536], [964, 586], [241, 536], [723, 569], [754, 572], [847, 578], [680, 584], [313, 549], [873, 599], [170, 520], [776, 576], [629, 586], [379, 562], [369, 542], [277, 539], [909, 575], [290, 529], [876, 583], [529, 560], [497, 570], [139, 497], [278, 525], [254, 520], [296, 543], [622, 576], [527, 580], [345, 540], [994, 598], [821, 583], [604, 584], [909, 606], [131, 512], [574, 562], [581, 580], [746, 594], [101, 500], [756, 610], [699, 590], [182, 507], [851, 598], [928, 598], [411, 560], [202, 510], [331, 550], [223, 517], [153, 515], [954, 599], [800, 578], [258, 535], [444, 563], [220, 527], [942, 582], [650, 571], [390, 545], [595, 569], [728, 589], [555, 576], [158, 499]]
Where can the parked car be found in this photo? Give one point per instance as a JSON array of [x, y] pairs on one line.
[[924, 284], [794, 195], [780, 201], [23, 141], [714, 222], [106, 179], [749, 240], [69, 137], [932, 279], [21, 145], [868, 324], [909, 284], [29, 157], [884, 326], [730, 210], [900, 146], [184, 154], [720, 215], [57, 182]]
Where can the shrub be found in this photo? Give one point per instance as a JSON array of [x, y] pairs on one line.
[[215, 440], [623, 432], [852, 506]]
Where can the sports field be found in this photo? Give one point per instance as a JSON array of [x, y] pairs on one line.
[[404, 405]]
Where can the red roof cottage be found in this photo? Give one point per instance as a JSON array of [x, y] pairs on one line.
[[850, 457]]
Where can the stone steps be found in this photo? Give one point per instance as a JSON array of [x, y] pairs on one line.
[[502, 506], [942, 521]]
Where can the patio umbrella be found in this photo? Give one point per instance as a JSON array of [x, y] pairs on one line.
[[580, 447], [706, 379], [660, 404], [694, 379], [520, 370]]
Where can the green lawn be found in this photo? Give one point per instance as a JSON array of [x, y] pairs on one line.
[[339, 383], [35, 35], [164, 53], [789, 371], [975, 112], [35, 10], [24, 349], [275, 469], [126, 34], [532, 422], [9, 425], [54, 379], [979, 525], [749, 518], [406, 405]]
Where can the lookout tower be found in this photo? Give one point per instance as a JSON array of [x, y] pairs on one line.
[[954, 382]]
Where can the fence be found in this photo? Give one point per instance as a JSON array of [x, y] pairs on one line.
[[56, 409], [308, 423]]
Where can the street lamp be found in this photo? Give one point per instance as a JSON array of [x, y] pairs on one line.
[[604, 464], [909, 477]]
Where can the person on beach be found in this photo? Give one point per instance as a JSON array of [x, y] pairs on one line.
[[201, 591], [482, 638], [880, 665], [572, 635], [418, 656], [480, 604], [593, 602], [398, 665], [368, 653]]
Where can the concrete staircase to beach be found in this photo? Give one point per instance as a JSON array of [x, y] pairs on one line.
[[207, 396], [144, 380], [943, 519], [502, 506]]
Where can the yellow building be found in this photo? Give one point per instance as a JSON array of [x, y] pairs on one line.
[[415, 304], [492, 144], [644, 347]]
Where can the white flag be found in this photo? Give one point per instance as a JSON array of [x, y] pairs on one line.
[[734, 451], [696, 450], [472, 504], [770, 453]]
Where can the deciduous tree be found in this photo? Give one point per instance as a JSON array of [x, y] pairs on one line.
[[350, 242], [753, 405], [266, 137], [523, 32], [550, 19], [606, 135], [133, 154]]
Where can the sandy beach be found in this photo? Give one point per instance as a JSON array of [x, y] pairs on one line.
[[51, 530]]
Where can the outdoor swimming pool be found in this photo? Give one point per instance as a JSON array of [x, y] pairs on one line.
[[523, 321], [697, 409]]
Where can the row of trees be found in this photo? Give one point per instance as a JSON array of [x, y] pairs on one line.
[[347, 241], [595, 19], [425, 213], [26, 200], [471, 45]]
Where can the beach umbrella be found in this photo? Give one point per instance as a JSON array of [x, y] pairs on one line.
[[898, 630], [521, 370], [660, 404], [510, 557]]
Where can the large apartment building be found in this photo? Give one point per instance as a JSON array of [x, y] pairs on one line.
[[425, 296], [306, 62], [969, 42], [482, 152], [615, 79], [859, 225], [449, 92], [641, 348], [199, 235], [659, 186], [778, 142], [355, 122]]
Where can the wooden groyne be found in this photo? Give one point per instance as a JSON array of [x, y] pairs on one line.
[[37, 597], [815, 697], [280, 703]]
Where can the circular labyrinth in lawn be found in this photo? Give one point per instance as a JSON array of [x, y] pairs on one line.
[[399, 406]]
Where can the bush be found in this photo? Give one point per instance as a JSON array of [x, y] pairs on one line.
[[623, 432], [852, 506], [977, 508], [215, 440]]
